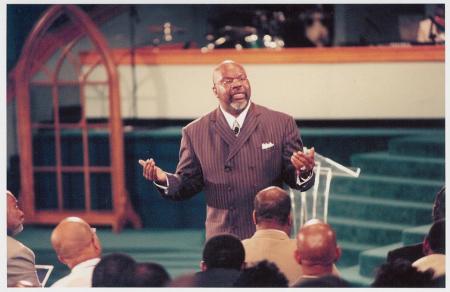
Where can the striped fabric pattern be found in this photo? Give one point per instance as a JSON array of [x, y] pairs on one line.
[[231, 170]]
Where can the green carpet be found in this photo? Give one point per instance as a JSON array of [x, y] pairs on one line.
[[388, 206]]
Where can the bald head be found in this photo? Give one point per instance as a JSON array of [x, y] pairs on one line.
[[272, 204], [74, 241], [316, 244], [223, 67]]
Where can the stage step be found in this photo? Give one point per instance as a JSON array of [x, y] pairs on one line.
[[383, 163], [415, 235], [419, 146], [381, 186], [366, 232], [371, 259], [351, 274], [350, 253], [381, 210]]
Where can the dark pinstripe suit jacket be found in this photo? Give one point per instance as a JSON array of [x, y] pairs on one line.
[[230, 169]]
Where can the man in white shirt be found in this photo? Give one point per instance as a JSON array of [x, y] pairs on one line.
[[232, 153], [78, 247], [317, 250]]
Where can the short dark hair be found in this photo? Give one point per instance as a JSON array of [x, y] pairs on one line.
[[224, 251], [150, 275], [263, 274], [272, 203], [436, 237], [401, 273], [114, 270]]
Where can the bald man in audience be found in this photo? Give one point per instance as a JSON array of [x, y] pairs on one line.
[[273, 219], [317, 250], [21, 267], [78, 247]]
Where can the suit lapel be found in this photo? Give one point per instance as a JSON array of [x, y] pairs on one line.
[[250, 124], [220, 126]]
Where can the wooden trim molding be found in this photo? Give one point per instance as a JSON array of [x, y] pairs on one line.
[[155, 56]]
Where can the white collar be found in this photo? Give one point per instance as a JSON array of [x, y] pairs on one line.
[[85, 264], [240, 119]]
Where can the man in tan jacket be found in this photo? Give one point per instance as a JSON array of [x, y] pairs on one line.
[[272, 217], [21, 266]]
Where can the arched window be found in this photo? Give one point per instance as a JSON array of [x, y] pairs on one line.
[[71, 155]]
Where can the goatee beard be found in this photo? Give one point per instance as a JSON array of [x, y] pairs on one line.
[[239, 106]]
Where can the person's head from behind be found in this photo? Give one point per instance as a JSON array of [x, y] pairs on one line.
[[400, 273], [223, 251], [263, 274], [434, 242], [272, 209], [15, 216], [114, 270], [317, 249], [74, 241], [150, 275], [231, 87]]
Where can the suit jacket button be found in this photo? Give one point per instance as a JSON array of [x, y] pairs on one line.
[[229, 189], [227, 168]]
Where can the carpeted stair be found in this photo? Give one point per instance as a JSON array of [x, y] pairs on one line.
[[372, 214], [390, 204]]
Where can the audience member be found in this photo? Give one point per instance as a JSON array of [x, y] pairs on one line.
[[434, 250], [272, 217], [317, 249], [400, 273], [432, 29], [114, 270], [223, 259], [20, 259], [325, 281], [435, 240], [77, 246], [263, 274], [150, 275]]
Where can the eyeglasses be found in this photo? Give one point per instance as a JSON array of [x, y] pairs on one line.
[[229, 81]]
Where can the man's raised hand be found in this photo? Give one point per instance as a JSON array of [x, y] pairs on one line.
[[153, 172]]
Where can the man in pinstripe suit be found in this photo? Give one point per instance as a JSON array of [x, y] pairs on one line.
[[232, 153]]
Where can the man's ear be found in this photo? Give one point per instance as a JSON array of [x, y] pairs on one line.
[[61, 259], [254, 217], [297, 257], [214, 88], [290, 219], [203, 266], [338, 253], [96, 242]]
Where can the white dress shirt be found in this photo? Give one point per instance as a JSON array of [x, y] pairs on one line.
[[80, 276]]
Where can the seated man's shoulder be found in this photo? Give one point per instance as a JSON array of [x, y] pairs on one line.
[[15, 247]]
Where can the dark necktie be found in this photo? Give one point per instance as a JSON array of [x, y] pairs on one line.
[[236, 127]]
